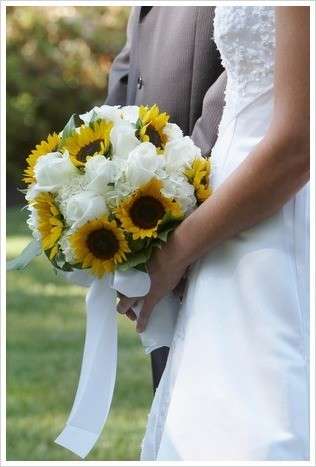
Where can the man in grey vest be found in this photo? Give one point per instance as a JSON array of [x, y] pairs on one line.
[[170, 59]]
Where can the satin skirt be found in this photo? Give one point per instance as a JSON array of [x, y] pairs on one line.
[[236, 382]]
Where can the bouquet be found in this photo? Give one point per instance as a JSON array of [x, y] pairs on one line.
[[101, 195]]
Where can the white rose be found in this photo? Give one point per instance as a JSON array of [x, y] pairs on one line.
[[123, 139], [106, 112], [100, 172], [53, 170], [178, 188], [172, 131], [83, 207], [179, 153], [121, 190], [143, 164], [130, 113]]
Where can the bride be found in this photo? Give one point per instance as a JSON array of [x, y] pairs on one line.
[[236, 382]]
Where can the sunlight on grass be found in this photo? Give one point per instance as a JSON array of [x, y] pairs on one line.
[[16, 244], [45, 337]]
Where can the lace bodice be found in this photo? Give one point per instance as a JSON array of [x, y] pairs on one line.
[[245, 37]]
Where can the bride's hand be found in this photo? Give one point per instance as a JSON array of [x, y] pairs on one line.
[[166, 270], [125, 304]]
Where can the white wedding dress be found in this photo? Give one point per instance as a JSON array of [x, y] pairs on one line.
[[236, 382]]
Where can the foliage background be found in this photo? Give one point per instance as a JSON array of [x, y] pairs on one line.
[[58, 60]]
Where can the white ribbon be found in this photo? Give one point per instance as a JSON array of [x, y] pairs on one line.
[[98, 371]]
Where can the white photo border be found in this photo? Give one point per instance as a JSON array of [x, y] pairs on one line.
[[18, 463]]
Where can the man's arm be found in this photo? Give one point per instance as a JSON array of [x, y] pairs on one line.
[[118, 77], [205, 129]]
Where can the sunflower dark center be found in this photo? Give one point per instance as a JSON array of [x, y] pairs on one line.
[[89, 150], [103, 244], [154, 136], [146, 212]]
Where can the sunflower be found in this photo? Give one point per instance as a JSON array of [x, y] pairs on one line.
[[45, 146], [50, 224], [152, 123], [99, 244], [142, 212], [198, 175], [88, 141]]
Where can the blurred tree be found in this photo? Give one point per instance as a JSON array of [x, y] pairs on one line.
[[58, 59]]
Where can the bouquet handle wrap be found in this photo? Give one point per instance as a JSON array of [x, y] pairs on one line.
[[98, 371]]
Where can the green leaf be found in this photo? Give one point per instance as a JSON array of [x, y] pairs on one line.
[[167, 219], [168, 224], [165, 234], [94, 118], [79, 266], [138, 244], [136, 259], [59, 261], [59, 258], [69, 128], [141, 267], [33, 249], [66, 267], [157, 243], [139, 124]]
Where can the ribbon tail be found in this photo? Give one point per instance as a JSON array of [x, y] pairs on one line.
[[98, 372]]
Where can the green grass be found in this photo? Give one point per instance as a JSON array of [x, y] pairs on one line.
[[45, 333]]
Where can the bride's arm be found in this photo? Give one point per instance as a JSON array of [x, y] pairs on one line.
[[272, 173], [278, 166]]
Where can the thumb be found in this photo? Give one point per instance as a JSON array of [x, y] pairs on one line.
[[125, 304]]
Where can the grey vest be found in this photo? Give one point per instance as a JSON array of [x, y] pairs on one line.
[[171, 59]]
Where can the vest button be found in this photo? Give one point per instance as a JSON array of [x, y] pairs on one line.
[[140, 82]]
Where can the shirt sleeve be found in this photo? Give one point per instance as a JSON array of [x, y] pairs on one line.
[[205, 130]]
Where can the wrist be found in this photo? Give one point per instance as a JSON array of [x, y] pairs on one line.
[[178, 249]]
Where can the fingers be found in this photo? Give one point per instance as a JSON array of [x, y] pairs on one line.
[[125, 304], [144, 316], [131, 315]]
